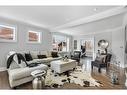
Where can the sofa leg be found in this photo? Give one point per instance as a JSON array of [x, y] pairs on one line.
[[14, 87]]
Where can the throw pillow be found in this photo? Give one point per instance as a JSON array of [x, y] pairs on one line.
[[34, 54], [54, 54], [48, 54], [100, 59], [42, 56], [28, 57]]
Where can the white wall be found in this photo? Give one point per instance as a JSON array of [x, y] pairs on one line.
[[21, 44], [97, 37], [118, 45], [115, 37], [125, 24]]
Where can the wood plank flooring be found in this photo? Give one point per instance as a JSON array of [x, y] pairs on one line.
[[103, 77]]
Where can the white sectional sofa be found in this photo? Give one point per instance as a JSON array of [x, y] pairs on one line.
[[19, 76], [45, 61], [22, 74]]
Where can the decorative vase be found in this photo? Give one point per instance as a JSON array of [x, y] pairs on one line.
[[38, 83], [114, 78], [126, 77]]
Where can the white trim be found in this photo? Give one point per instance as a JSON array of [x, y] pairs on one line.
[[102, 15], [3, 69]]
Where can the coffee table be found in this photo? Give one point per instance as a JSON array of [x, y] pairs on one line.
[[60, 66]]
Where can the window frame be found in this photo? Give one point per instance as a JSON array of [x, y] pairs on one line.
[[14, 33], [39, 39], [67, 43]]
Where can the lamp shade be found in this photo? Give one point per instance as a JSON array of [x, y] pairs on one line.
[[126, 48]]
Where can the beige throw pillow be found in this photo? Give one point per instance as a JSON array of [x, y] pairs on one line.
[[101, 58], [34, 54]]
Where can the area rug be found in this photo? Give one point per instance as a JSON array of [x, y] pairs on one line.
[[77, 76]]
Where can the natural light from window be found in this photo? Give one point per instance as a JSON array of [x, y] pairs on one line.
[[60, 43]]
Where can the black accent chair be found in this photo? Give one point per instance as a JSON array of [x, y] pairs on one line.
[[76, 56], [100, 65]]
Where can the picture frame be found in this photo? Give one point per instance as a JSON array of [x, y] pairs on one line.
[[8, 33], [34, 37]]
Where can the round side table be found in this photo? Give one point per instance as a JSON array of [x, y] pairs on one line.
[[39, 79]]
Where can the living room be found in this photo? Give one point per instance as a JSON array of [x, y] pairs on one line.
[[57, 32]]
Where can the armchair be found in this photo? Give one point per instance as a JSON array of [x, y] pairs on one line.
[[102, 64], [76, 56]]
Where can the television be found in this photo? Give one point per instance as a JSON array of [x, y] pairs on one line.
[[126, 48]]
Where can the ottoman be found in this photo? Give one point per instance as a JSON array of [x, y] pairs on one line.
[[61, 66]]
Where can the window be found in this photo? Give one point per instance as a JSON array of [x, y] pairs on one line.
[[60, 43], [7, 34], [75, 44], [34, 37], [87, 44]]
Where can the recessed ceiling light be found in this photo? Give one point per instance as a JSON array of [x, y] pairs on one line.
[[95, 9]]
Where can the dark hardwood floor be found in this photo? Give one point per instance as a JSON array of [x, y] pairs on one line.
[[103, 77]]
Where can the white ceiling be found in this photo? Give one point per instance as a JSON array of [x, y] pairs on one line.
[[51, 17], [95, 26]]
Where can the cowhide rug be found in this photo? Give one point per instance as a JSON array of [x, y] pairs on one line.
[[77, 76]]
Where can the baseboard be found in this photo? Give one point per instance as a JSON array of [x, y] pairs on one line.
[[3, 69]]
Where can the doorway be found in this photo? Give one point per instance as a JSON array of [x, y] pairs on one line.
[[88, 43]]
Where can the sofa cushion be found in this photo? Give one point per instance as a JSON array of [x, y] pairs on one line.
[[48, 59], [32, 61], [45, 60], [43, 53], [48, 54], [34, 54], [20, 73], [42, 56], [101, 58], [28, 57]]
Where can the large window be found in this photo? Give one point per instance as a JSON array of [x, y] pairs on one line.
[[60, 43], [88, 44], [34, 37], [7, 34]]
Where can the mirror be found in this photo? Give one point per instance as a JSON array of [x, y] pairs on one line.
[[103, 44]]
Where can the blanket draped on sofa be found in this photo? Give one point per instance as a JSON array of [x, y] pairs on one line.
[[19, 56]]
